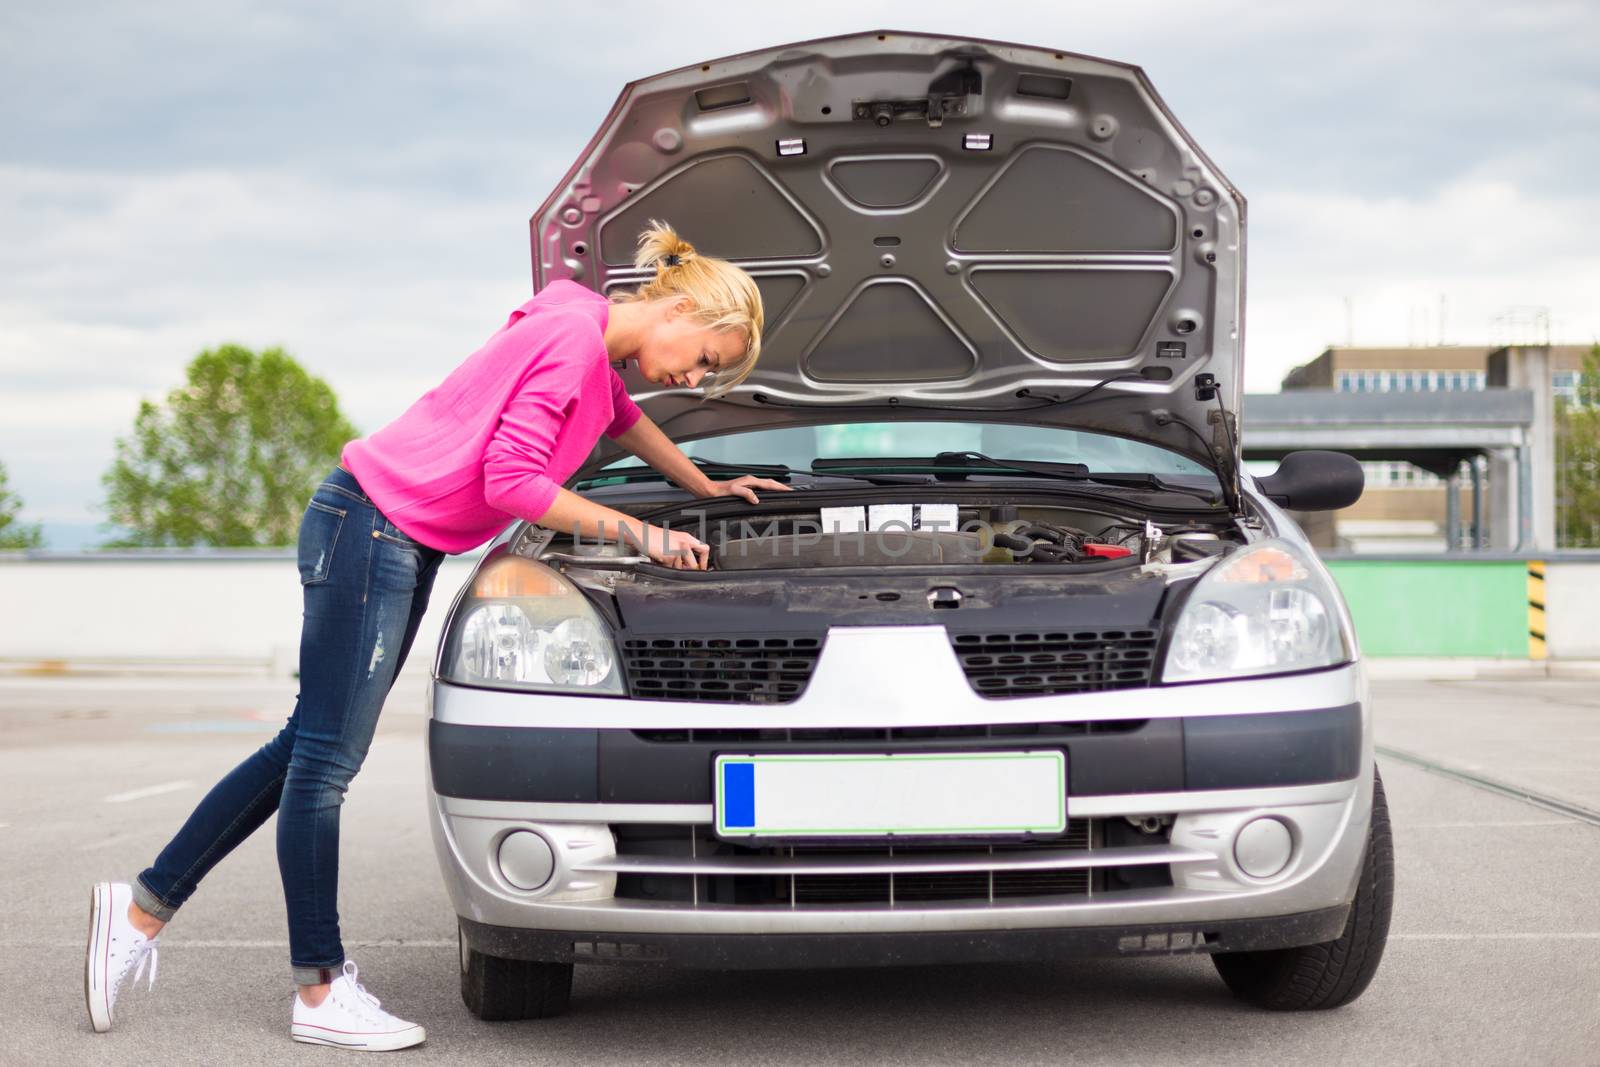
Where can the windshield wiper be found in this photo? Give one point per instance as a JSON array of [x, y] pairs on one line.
[[765, 470], [878, 479], [718, 468], [1075, 471], [642, 473], [957, 465]]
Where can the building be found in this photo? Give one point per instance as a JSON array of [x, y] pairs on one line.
[[1406, 507]]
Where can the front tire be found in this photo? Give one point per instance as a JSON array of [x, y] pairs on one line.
[[1332, 974], [501, 990]]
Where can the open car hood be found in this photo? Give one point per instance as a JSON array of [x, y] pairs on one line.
[[937, 225]]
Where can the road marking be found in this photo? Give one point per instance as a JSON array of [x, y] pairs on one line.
[[1492, 785], [147, 791], [1480, 825], [1582, 935]]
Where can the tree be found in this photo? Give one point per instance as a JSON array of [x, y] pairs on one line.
[[230, 458], [1578, 460], [14, 534]]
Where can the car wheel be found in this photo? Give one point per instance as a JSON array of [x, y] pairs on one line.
[[500, 990], [1334, 973]]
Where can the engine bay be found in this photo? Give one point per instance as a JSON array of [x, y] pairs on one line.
[[891, 533]]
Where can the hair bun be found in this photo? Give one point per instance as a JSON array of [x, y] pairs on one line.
[[661, 247]]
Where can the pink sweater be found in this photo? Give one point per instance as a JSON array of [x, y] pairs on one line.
[[496, 438]]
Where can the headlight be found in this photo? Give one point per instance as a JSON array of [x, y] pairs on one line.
[[524, 626], [1266, 609]]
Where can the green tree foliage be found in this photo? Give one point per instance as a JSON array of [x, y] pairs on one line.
[[231, 457], [1578, 461], [14, 534]]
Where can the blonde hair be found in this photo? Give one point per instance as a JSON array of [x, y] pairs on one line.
[[723, 295]]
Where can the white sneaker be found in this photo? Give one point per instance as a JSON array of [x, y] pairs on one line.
[[115, 948], [350, 1017]]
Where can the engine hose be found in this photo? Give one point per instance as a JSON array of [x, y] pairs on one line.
[[1043, 533], [1013, 542], [1042, 549]]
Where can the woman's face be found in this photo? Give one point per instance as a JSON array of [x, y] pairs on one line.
[[676, 350]]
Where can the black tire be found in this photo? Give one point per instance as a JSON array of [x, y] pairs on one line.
[[1332, 974], [500, 990]]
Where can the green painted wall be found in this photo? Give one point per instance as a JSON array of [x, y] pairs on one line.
[[1444, 608]]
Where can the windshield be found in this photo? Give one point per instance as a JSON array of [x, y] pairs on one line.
[[800, 446]]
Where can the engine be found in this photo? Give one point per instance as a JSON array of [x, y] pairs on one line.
[[908, 535]]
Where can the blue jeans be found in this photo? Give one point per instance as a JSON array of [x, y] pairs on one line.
[[366, 586]]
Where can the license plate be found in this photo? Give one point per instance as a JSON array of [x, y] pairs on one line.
[[907, 794]]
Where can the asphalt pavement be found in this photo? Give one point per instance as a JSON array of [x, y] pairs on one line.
[[1494, 956]]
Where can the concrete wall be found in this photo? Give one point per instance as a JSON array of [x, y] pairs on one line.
[[224, 609], [1572, 609], [242, 609]]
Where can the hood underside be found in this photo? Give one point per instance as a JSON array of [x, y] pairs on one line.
[[940, 227]]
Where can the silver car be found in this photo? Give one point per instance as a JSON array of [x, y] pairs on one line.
[[1026, 666]]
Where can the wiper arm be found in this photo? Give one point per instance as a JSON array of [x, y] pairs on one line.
[[642, 473], [872, 479], [1073, 471], [776, 471], [765, 470], [949, 465], [1027, 466], [1150, 481]]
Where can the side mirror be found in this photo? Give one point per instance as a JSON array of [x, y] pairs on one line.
[[1315, 481]]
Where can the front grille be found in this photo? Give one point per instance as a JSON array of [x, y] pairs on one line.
[[1067, 661], [774, 668], [720, 668], [659, 862]]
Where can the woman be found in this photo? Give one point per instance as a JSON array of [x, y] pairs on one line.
[[491, 443]]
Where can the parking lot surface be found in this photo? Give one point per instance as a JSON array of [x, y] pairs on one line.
[[1494, 956]]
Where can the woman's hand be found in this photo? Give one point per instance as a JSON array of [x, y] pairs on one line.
[[744, 486], [676, 549]]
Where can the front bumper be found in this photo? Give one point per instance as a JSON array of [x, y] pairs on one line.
[[781, 951], [583, 776]]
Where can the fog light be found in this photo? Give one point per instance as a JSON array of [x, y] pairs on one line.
[[526, 860], [1262, 847]]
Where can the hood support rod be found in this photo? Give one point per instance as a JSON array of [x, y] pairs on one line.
[[1224, 444]]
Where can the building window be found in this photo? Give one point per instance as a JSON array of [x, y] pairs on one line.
[[1566, 384], [1411, 381]]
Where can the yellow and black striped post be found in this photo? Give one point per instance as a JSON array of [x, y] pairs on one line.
[[1536, 609]]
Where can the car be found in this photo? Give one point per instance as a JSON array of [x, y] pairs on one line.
[[1025, 666]]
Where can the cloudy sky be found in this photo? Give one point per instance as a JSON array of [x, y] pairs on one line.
[[353, 181]]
